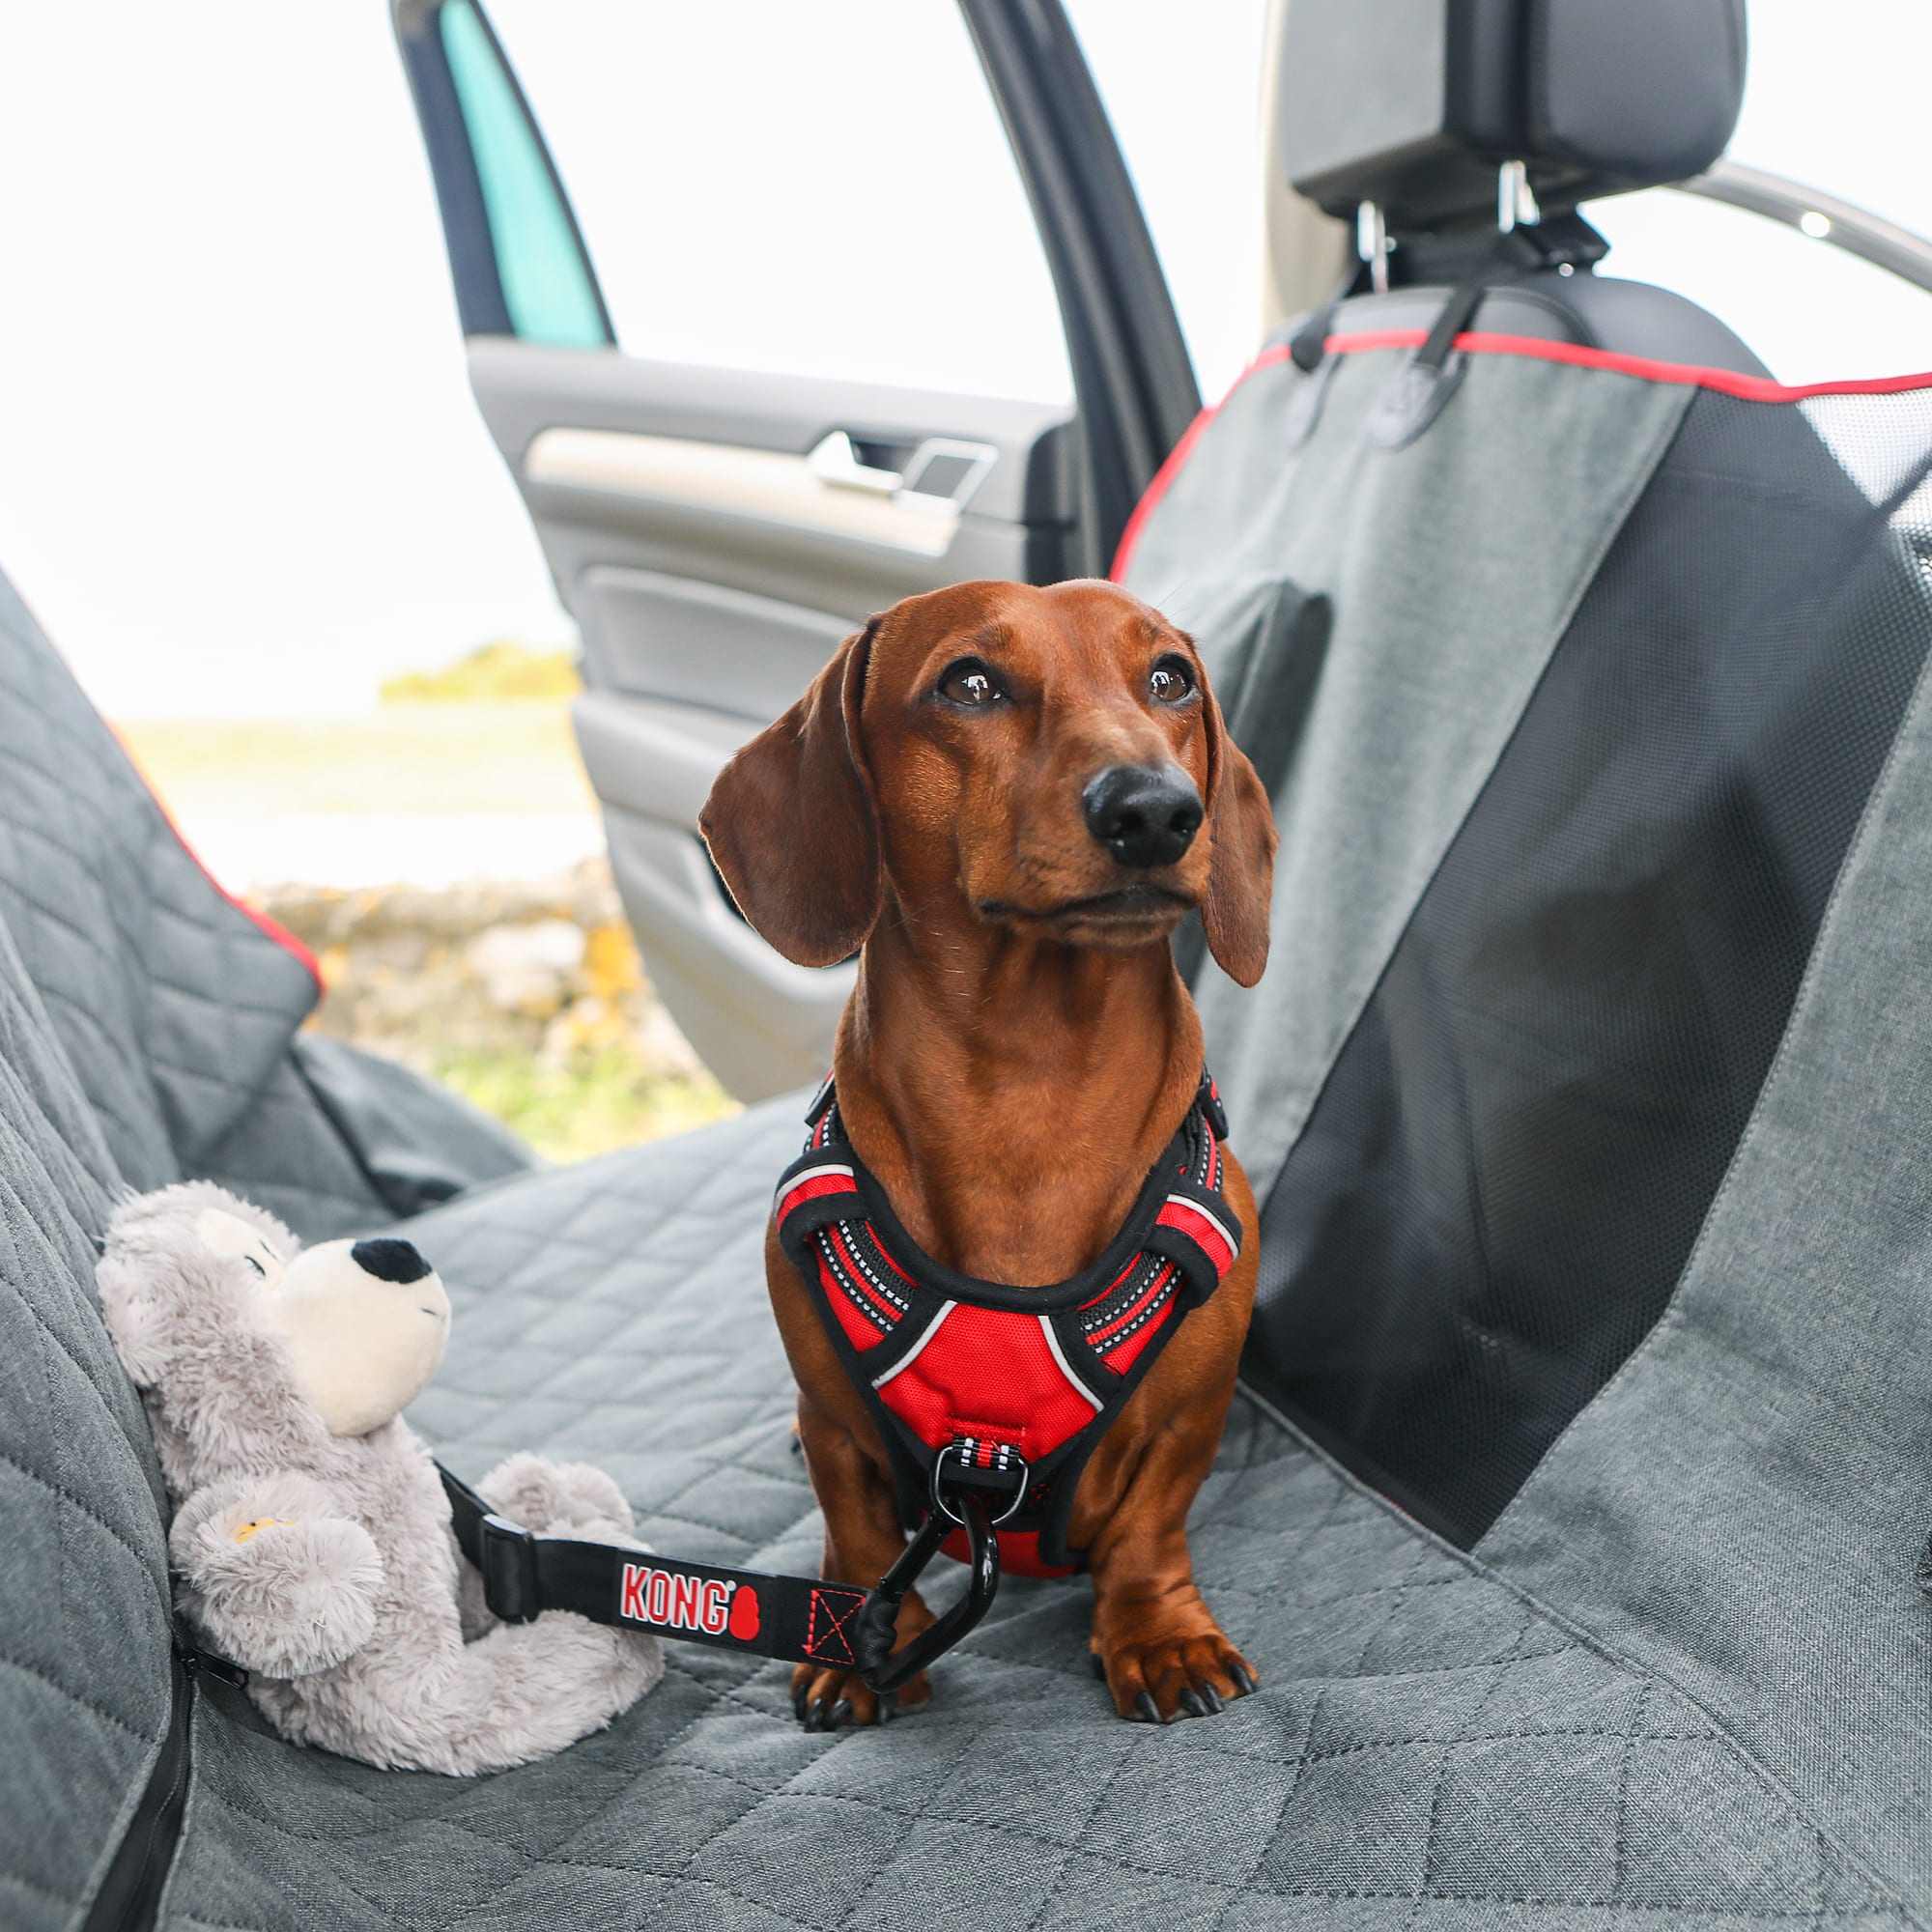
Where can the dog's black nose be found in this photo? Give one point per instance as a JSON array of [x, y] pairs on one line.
[[390, 1260], [1143, 814]]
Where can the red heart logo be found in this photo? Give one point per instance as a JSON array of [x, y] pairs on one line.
[[743, 1624]]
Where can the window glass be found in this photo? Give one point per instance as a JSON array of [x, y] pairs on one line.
[[1182, 88], [1809, 311], [545, 287], [819, 189], [1833, 97]]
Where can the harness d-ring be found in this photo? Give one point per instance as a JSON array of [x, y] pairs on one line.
[[884, 1669], [939, 1496]]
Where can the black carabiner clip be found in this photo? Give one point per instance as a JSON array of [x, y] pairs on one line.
[[886, 1669]]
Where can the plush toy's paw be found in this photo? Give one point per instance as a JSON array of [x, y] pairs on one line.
[[559, 1499], [280, 1585]]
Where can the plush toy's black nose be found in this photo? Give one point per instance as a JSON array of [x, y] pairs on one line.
[[1143, 814], [390, 1260]]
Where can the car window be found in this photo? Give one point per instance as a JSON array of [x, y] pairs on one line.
[[817, 189], [546, 287], [1184, 93], [1836, 96], [1810, 312], [1821, 108]]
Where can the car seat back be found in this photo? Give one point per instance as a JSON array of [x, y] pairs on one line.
[[1571, 688], [174, 1004], [84, 1607]]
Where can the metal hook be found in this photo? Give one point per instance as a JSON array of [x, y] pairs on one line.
[[1372, 244], [886, 1669]]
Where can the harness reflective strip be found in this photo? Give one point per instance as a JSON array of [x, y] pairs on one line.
[[782, 1205], [913, 1354], [1231, 1243], [1066, 1367], [1102, 1339]]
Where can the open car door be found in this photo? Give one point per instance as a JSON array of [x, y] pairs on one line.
[[716, 530]]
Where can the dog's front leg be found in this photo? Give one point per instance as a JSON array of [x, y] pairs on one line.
[[853, 1483], [1158, 1643], [862, 1540]]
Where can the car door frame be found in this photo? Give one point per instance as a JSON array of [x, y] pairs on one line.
[[1134, 388]]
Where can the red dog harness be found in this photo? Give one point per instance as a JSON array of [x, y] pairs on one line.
[[1006, 1390]]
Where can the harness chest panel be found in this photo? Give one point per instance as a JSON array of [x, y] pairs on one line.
[[1014, 1386]]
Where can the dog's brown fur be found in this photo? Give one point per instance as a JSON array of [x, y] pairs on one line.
[[1000, 1029]]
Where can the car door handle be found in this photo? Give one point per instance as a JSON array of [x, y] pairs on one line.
[[834, 461]]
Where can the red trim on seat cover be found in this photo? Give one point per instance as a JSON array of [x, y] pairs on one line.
[[1178, 456], [272, 928], [1748, 388], [1474, 342]]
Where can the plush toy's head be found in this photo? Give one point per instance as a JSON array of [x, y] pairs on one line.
[[254, 1351], [364, 1321]]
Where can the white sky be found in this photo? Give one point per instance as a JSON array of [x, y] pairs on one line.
[[239, 467]]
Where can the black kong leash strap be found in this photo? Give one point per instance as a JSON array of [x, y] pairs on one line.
[[798, 1618]]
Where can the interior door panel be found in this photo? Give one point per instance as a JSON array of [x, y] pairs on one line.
[[712, 564], [715, 531]]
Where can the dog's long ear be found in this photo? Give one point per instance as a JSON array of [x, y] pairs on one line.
[[1235, 914], [790, 821]]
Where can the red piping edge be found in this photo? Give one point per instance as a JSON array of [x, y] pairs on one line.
[[1178, 457], [1474, 342], [1728, 382], [271, 928]]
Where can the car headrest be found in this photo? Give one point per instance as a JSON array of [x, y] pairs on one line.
[[1415, 104]]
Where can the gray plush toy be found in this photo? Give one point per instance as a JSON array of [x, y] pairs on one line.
[[311, 1533]]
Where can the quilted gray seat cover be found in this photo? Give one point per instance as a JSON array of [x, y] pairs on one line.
[[177, 1011], [1428, 1747]]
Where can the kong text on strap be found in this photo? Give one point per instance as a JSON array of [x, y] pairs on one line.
[[798, 1619]]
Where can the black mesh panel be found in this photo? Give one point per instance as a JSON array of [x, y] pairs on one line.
[[1504, 1173]]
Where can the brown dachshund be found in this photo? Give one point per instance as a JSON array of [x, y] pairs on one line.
[[1005, 799]]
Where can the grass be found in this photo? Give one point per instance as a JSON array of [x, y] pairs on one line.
[[587, 1105], [493, 671], [483, 755]]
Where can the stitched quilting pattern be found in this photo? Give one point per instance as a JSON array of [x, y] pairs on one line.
[[83, 1589], [175, 1010], [1426, 1749]]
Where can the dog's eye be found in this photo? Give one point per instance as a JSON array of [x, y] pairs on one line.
[[1170, 681], [256, 1265], [968, 682]]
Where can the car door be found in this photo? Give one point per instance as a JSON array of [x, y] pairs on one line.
[[715, 529]]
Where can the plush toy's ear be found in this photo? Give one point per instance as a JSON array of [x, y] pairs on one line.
[[1241, 887], [227, 1234], [790, 821]]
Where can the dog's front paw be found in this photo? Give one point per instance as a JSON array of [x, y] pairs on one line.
[[825, 1699], [1185, 1670]]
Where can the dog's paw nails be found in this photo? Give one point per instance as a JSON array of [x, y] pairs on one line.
[[889, 1707], [1166, 1676], [800, 1702], [841, 1713], [1099, 1665]]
